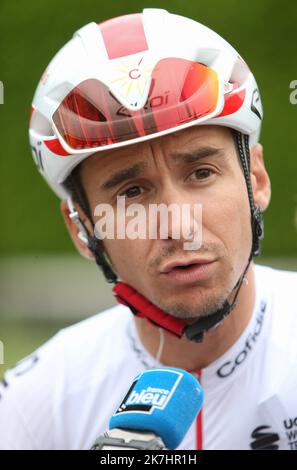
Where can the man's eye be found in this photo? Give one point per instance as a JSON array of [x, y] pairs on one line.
[[202, 173], [131, 192]]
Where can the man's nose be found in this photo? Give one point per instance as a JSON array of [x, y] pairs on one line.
[[181, 217]]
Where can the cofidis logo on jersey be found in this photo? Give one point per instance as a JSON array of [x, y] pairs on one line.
[[145, 393], [252, 338]]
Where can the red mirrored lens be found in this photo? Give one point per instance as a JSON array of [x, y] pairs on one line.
[[181, 91]]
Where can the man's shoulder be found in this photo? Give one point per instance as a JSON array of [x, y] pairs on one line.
[[111, 321], [66, 376], [72, 354], [280, 284], [285, 277], [276, 360], [89, 335], [91, 341], [281, 288]]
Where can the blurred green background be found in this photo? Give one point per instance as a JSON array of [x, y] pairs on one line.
[[264, 32]]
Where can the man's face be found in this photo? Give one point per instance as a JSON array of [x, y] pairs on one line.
[[170, 172]]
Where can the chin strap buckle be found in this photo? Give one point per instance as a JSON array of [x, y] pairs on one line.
[[196, 331]]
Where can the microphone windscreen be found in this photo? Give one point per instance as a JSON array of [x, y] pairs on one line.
[[164, 401]]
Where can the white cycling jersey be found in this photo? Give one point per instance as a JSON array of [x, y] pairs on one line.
[[63, 395]]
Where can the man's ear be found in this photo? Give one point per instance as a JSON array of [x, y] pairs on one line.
[[74, 230], [260, 178]]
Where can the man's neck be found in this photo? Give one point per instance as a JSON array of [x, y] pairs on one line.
[[191, 356]]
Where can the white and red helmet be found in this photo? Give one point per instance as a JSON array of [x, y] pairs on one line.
[[132, 78]]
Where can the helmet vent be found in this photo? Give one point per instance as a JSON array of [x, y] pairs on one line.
[[40, 124]]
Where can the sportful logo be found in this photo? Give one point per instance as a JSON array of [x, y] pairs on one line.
[[264, 439], [269, 440], [229, 367]]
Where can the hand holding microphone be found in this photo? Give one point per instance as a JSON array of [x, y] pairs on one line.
[[156, 413]]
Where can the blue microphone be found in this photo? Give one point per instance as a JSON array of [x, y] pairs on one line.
[[159, 407]]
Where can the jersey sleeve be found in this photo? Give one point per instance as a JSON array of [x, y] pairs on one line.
[[29, 402]]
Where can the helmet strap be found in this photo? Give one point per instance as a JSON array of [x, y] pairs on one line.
[[94, 244], [243, 150]]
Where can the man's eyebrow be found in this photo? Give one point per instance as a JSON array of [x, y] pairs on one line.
[[135, 170], [123, 175], [193, 156]]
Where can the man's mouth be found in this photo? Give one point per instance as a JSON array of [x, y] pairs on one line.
[[184, 264], [187, 272]]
